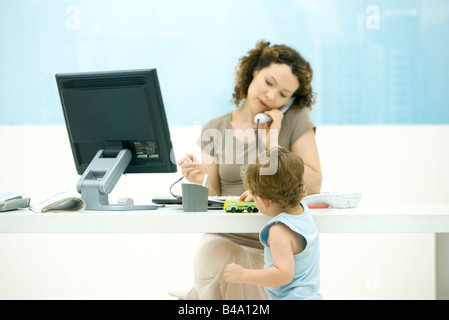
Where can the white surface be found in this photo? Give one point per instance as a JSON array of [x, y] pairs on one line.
[[368, 219]]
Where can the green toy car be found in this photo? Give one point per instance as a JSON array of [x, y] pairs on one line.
[[233, 205]]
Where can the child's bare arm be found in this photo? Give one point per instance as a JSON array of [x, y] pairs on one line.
[[281, 273]]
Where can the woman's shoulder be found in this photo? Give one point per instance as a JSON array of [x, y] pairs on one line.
[[294, 114], [295, 123], [220, 122]]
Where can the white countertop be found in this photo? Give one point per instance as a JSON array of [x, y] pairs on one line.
[[371, 219]]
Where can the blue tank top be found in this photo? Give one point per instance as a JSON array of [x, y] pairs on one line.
[[306, 281]]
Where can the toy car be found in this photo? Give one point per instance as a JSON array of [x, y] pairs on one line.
[[232, 205]]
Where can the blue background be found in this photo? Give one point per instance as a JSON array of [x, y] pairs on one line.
[[375, 62]]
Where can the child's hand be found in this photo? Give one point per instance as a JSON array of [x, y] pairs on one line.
[[246, 196], [233, 273]]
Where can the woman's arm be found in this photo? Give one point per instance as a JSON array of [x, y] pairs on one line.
[[307, 149]]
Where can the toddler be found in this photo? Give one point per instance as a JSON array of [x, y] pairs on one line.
[[290, 238]]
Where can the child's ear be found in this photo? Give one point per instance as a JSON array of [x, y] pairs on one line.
[[265, 202]]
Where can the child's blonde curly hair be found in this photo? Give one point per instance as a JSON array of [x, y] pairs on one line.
[[285, 187]]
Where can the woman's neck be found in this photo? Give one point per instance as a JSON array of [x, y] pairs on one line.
[[243, 117]]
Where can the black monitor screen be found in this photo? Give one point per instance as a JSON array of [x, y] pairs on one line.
[[117, 110]]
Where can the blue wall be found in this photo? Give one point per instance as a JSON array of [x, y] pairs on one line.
[[375, 62]]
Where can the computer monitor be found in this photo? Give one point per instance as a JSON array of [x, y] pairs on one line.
[[116, 124]]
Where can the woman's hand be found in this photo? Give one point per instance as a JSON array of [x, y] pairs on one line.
[[191, 169], [273, 128], [277, 117]]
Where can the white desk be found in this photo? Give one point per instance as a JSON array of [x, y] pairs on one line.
[[368, 219]]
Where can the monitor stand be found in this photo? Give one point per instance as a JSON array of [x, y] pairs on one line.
[[100, 178]]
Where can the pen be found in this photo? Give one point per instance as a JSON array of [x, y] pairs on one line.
[[204, 180]]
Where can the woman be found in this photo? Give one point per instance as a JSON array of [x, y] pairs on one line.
[[267, 78]]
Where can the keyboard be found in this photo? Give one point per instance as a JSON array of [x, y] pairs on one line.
[[214, 201]]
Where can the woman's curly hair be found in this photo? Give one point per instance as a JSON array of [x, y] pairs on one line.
[[262, 56]]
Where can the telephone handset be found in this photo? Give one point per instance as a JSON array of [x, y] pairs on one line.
[[262, 117]]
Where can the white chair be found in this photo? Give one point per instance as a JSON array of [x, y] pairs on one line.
[[180, 293]]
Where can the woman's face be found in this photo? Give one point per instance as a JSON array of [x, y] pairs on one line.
[[271, 87]]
